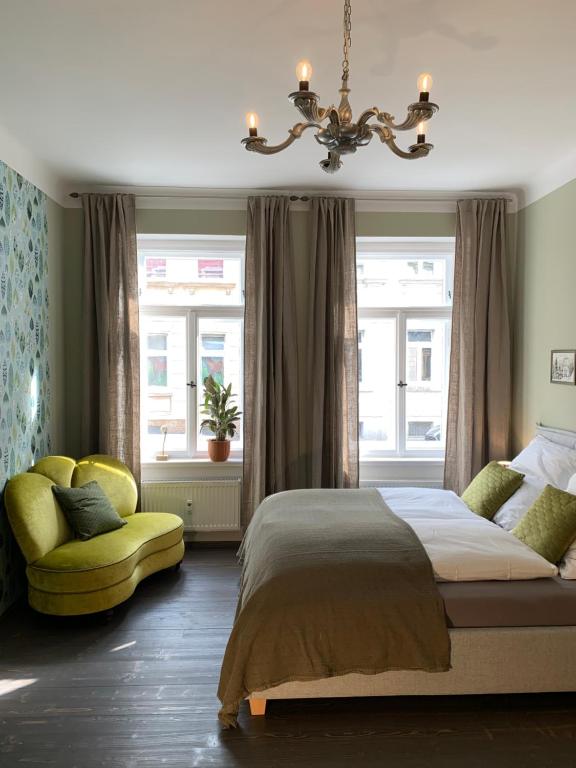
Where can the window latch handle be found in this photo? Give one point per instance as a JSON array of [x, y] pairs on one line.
[[191, 384], [402, 384]]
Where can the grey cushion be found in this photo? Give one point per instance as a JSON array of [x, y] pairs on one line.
[[88, 510]]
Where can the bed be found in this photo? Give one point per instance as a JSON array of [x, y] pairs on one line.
[[510, 618]]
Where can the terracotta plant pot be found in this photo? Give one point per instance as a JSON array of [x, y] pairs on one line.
[[218, 450]]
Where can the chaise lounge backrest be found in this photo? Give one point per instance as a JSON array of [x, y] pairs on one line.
[[38, 523]]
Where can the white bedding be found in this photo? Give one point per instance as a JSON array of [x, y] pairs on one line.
[[461, 545]]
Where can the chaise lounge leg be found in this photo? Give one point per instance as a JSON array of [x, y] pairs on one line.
[[257, 707], [176, 568]]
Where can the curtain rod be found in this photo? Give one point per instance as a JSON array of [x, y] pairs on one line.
[[508, 197], [304, 198]]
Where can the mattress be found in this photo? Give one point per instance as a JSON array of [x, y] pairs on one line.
[[535, 603]]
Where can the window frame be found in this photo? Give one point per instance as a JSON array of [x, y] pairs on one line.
[[232, 246], [427, 248]]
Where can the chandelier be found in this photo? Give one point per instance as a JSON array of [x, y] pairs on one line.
[[336, 129]]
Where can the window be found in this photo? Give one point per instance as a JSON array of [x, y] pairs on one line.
[[404, 323], [191, 326]]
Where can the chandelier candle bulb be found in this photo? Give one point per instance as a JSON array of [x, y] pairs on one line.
[[252, 122], [304, 74], [424, 86], [421, 131]]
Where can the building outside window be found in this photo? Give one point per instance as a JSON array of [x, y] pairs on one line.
[[404, 323], [191, 326]]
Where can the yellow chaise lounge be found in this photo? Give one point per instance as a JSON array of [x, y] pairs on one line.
[[67, 576]]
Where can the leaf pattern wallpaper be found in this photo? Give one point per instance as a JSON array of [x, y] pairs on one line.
[[24, 368]]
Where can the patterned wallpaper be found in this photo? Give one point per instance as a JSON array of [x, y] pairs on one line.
[[24, 370]]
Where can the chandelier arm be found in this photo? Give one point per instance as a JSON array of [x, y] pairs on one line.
[[306, 102], [388, 138], [368, 114], [323, 112], [259, 143], [417, 113]]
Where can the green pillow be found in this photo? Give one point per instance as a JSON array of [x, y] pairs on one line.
[[549, 526], [491, 488], [88, 510]]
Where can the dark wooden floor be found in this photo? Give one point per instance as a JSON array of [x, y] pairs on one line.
[[140, 690]]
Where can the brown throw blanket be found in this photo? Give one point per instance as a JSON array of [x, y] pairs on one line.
[[332, 582]]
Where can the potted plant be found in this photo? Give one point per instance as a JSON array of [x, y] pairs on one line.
[[223, 418]]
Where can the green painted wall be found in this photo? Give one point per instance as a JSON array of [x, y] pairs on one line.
[[545, 311], [405, 224], [185, 222]]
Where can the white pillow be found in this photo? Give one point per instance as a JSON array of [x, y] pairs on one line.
[[543, 462], [567, 565], [561, 436], [550, 462], [520, 502]]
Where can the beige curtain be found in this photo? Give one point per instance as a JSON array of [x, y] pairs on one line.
[[270, 418], [111, 395], [333, 346], [480, 390]]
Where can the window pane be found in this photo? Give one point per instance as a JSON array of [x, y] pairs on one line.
[[164, 393], [185, 279], [157, 371], [157, 341], [402, 282], [220, 355], [427, 359], [213, 340], [377, 381]]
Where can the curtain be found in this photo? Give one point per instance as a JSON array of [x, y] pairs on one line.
[[270, 418], [111, 393], [333, 346], [480, 389]]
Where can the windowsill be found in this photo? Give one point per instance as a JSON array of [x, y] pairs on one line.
[[196, 462], [238, 460], [372, 460]]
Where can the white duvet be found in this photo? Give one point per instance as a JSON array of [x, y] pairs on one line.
[[461, 545]]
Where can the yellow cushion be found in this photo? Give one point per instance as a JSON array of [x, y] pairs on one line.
[[59, 469], [105, 560], [549, 526], [113, 477], [491, 488], [37, 521]]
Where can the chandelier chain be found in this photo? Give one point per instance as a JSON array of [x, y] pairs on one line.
[[347, 39]]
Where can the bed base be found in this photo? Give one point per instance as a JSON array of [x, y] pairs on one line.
[[484, 661]]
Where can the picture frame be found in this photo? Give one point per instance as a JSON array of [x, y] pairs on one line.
[[563, 367]]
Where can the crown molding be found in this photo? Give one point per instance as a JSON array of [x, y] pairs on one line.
[[385, 201], [38, 172]]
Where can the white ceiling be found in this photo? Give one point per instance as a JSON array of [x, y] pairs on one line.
[[154, 92]]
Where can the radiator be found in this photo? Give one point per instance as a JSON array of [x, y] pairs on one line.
[[203, 505]]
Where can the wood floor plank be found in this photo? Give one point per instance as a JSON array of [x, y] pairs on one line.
[[139, 690]]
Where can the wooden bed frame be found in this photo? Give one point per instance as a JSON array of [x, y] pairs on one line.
[[487, 660]]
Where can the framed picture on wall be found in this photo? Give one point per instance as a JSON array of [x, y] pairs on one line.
[[563, 366]]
